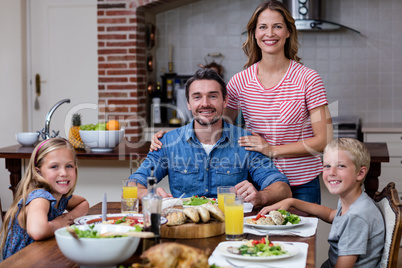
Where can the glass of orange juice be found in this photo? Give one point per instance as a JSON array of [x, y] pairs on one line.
[[129, 188], [222, 192], [234, 217], [129, 205]]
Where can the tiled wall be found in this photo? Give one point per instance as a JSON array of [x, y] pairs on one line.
[[362, 73]]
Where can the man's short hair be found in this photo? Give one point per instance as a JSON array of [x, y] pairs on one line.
[[206, 74], [357, 149]]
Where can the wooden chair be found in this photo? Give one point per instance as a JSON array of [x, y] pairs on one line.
[[391, 208]]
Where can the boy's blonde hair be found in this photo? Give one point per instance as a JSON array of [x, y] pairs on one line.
[[357, 149]]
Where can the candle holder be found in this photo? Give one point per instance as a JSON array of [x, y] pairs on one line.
[[170, 67]]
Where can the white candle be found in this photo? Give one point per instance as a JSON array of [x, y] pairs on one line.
[[170, 53], [104, 207]]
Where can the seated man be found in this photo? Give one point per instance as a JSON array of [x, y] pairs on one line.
[[205, 154]]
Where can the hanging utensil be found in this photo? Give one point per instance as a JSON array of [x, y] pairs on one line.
[[150, 32], [150, 63], [212, 64]]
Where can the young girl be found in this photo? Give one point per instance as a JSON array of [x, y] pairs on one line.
[[43, 195]]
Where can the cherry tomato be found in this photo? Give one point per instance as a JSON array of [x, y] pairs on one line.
[[259, 216]]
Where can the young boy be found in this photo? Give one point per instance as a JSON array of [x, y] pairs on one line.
[[357, 233]]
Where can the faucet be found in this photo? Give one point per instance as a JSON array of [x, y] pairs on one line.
[[45, 131]]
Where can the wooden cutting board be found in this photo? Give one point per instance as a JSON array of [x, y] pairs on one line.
[[193, 230]]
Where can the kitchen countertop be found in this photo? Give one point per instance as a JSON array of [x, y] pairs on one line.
[[156, 129], [382, 127]]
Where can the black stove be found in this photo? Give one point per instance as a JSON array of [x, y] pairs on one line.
[[347, 127]]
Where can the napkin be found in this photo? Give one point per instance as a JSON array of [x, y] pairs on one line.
[[248, 207], [298, 260], [306, 229]]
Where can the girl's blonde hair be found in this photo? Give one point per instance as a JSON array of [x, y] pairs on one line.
[[251, 48], [32, 180], [357, 149]]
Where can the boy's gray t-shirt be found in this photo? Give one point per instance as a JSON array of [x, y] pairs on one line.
[[360, 232]]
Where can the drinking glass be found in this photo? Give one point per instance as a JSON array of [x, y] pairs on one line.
[[129, 188], [222, 192], [234, 217], [129, 205]]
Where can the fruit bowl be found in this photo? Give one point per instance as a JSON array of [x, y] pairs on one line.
[[102, 140], [27, 138], [97, 252]]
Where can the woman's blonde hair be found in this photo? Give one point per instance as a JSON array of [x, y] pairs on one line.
[[358, 151], [32, 180], [251, 48]]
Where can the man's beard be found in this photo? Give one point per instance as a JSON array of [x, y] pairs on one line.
[[214, 120], [198, 118]]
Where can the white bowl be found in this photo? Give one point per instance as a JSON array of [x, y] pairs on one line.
[[102, 140], [97, 252], [27, 138]]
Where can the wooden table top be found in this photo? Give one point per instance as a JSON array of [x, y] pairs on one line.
[[47, 254]]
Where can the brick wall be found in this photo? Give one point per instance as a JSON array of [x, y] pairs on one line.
[[122, 63]]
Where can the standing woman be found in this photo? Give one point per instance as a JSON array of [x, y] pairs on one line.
[[283, 102]]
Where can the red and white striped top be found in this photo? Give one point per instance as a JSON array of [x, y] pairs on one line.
[[281, 113]]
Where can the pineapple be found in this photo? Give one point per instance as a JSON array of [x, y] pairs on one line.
[[74, 133]]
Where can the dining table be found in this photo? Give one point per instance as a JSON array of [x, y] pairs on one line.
[[46, 253]]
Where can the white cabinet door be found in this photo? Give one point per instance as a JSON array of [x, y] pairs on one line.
[[62, 45]]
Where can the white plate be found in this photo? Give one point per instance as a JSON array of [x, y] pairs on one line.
[[273, 227], [85, 219], [222, 249]]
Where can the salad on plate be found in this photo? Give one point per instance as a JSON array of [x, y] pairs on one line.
[[259, 248], [279, 217], [198, 201]]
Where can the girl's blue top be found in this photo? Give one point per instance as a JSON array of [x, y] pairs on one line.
[[19, 238]]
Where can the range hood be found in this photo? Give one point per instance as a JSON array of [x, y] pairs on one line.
[[307, 15]]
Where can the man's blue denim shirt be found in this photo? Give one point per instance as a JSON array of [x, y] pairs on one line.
[[193, 172]]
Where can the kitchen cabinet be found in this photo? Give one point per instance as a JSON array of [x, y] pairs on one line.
[[392, 135], [174, 104], [173, 77]]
